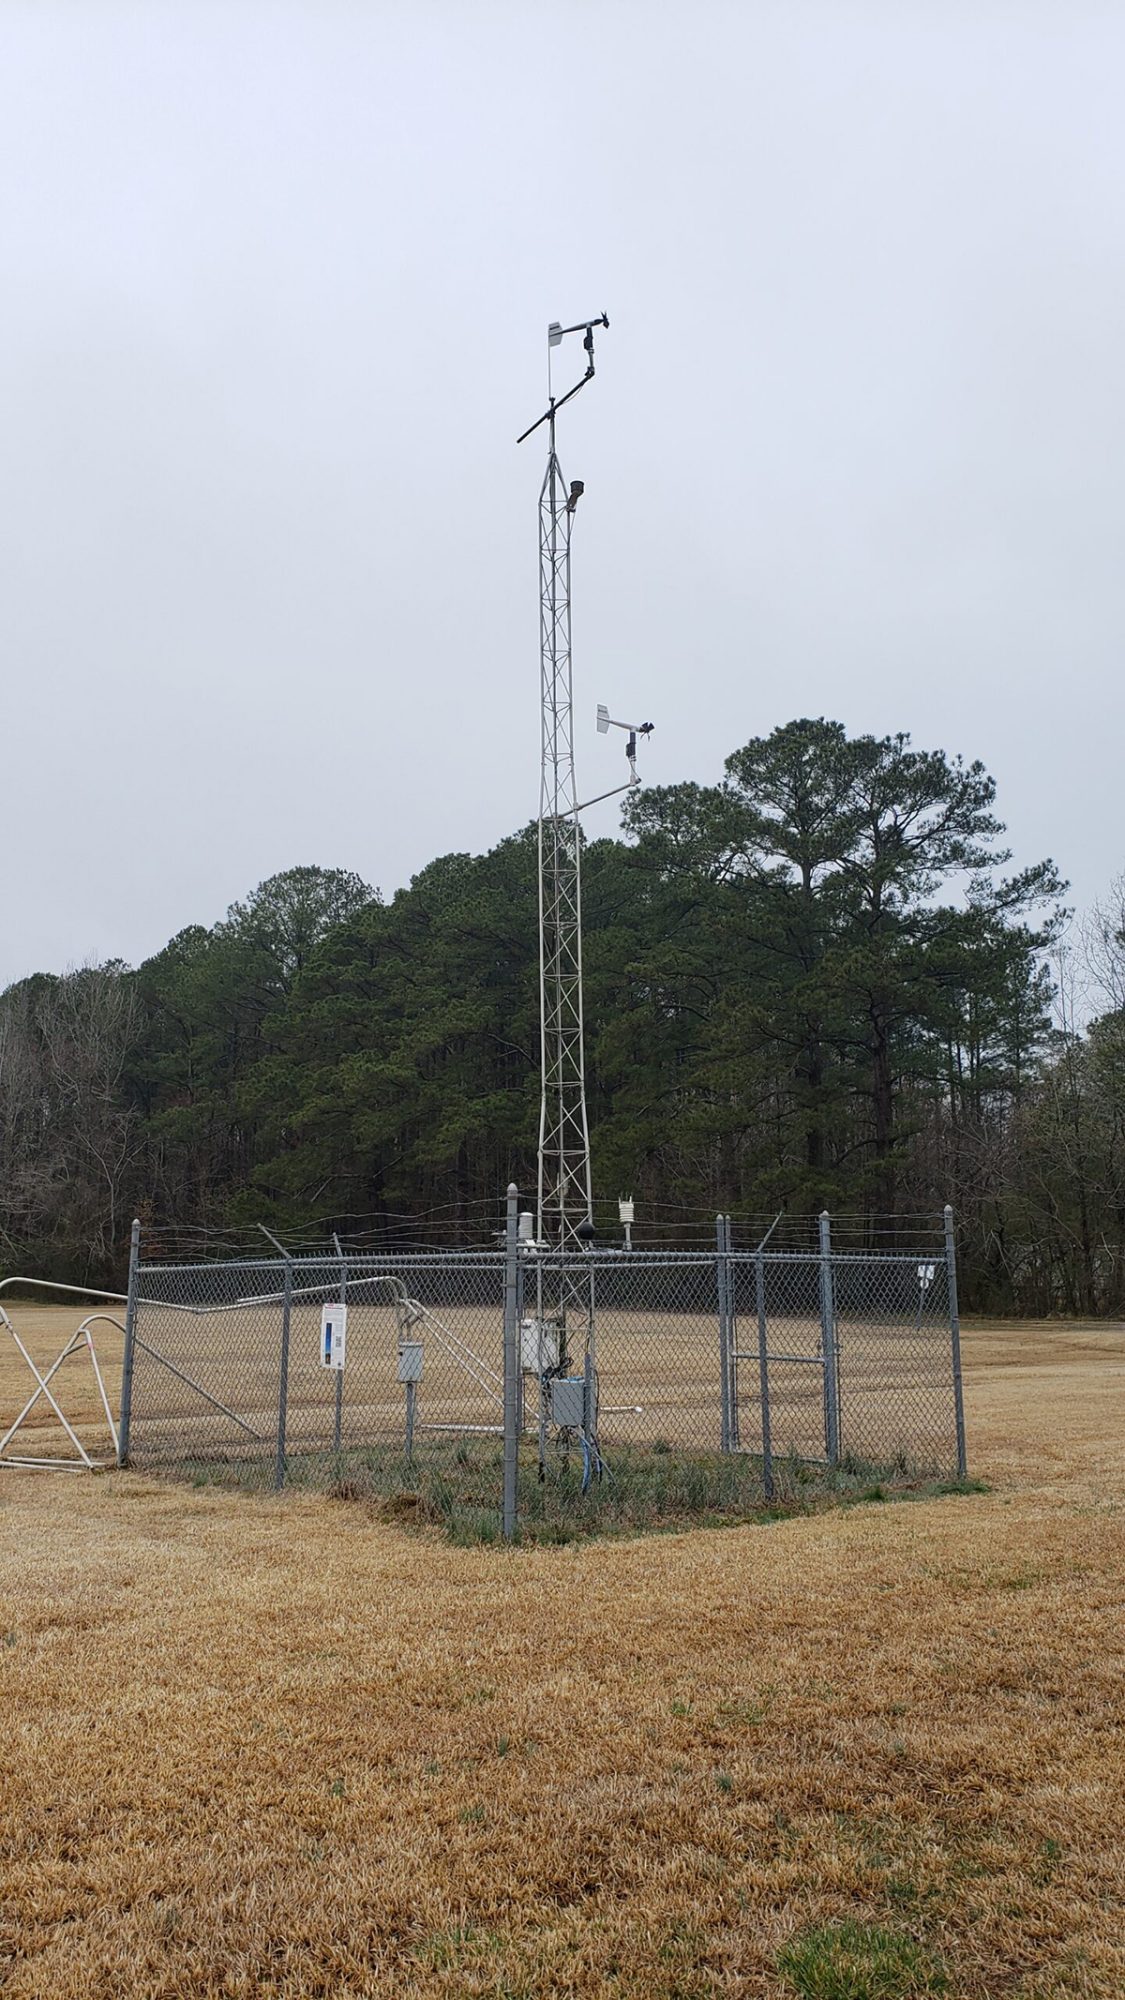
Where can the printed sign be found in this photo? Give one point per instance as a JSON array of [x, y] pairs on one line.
[[333, 1335]]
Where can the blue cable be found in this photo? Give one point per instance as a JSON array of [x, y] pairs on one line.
[[592, 1461]]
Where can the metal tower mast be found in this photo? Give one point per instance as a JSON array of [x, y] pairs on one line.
[[564, 1195]]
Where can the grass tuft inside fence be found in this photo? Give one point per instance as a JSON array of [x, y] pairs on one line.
[[643, 1489]]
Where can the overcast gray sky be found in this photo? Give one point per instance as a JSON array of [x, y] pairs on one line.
[[276, 280]]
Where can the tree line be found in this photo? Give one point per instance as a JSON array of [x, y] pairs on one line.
[[814, 983]]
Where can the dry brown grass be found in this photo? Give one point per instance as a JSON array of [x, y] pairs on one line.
[[258, 1746]]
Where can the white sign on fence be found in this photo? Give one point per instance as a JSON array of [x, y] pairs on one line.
[[333, 1335]]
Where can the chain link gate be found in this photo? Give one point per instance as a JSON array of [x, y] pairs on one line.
[[845, 1358]]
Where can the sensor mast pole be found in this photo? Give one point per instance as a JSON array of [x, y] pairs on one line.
[[564, 1200]]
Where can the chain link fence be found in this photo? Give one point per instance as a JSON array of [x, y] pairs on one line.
[[523, 1390], [228, 1379]]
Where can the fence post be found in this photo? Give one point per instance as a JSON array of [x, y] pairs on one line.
[[828, 1344], [764, 1377], [732, 1338], [510, 1512], [337, 1426], [130, 1342], [521, 1308], [283, 1386], [955, 1341], [722, 1284]]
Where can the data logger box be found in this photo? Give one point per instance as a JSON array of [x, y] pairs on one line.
[[568, 1401], [333, 1335], [410, 1361]]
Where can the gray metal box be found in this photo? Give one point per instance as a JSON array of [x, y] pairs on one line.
[[539, 1345], [568, 1401], [410, 1361]]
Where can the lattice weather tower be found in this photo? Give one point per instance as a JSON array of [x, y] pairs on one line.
[[564, 1198]]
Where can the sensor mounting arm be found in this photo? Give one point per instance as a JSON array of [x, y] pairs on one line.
[[555, 333]]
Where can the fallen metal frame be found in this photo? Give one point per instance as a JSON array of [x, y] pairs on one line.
[[79, 1339]]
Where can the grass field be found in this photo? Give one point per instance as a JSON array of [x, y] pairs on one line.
[[271, 1746]]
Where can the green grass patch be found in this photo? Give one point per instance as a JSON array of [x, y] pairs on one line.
[[455, 1487], [451, 1949], [851, 1961]]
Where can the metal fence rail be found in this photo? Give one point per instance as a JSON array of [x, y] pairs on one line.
[[457, 1389]]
